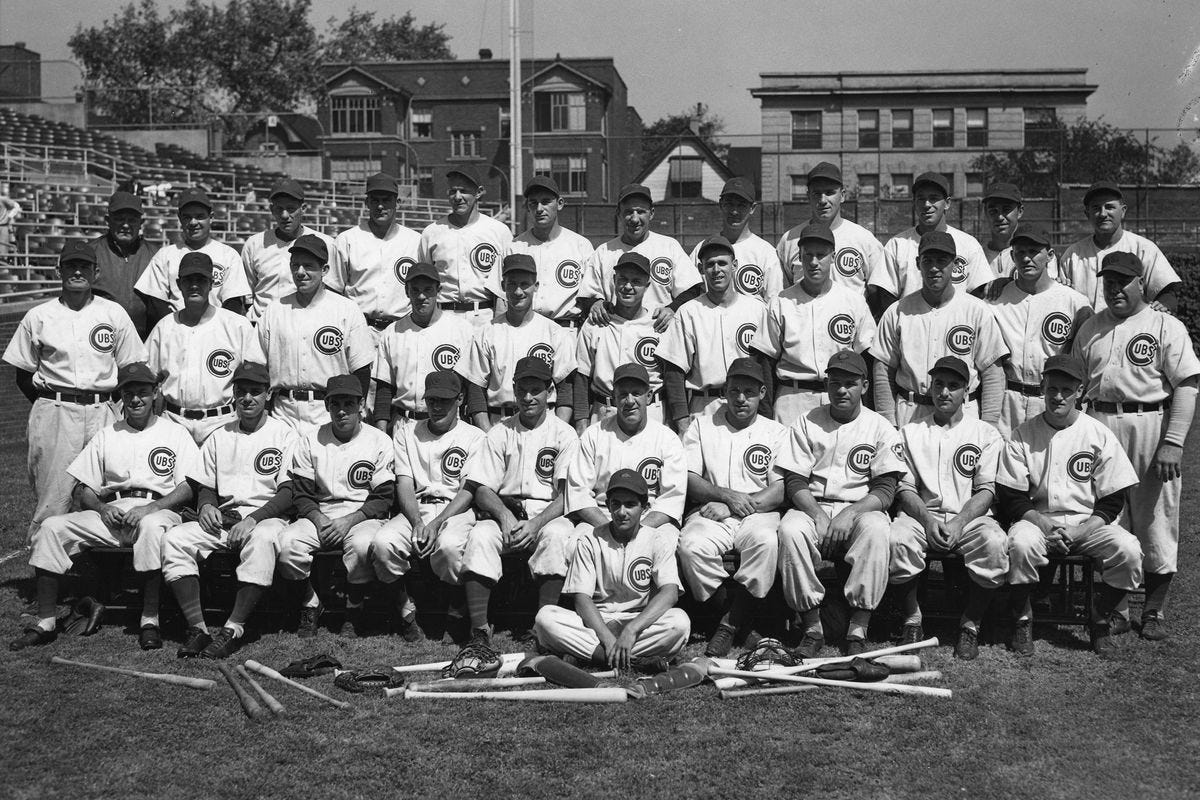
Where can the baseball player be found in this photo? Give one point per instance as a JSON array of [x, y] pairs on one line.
[[158, 285], [465, 247], [940, 320], [675, 279], [1104, 205], [628, 337], [515, 477], [901, 273], [122, 255], [945, 501], [131, 482], [497, 346], [1038, 318], [806, 324], [311, 335], [66, 352], [425, 340], [1003, 205], [196, 350], [706, 337], [625, 583], [841, 464], [1062, 482], [242, 493], [857, 253], [758, 272], [737, 492], [265, 257], [342, 481], [1141, 383]]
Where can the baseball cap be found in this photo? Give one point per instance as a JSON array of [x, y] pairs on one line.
[[1003, 191], [635, 260], [518, 262], [631, 372], [422, 269], [343, 386], [1067, 365], [847, 361], [935, 178], [1122, 264], [630, 481], [747, 368], [196, 264], [76, 250], [825, 171], [443, 383], [542, 182], [135, 372], [1102, 187], [1035, 235], [254, 373], [717, 242], [939, 241], [634, 190], [287, 188], [819, 231], [313, 244], [194, 195], [952, 364], [740, 187], [124, 201], [532, 367], [382, 182], [465, 172]]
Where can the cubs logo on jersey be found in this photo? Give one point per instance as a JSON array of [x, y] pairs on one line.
[[745, 335], [958, 270], [267, 462], [1079, 466], [328, 340], [543, 351], [757, 459], [445, 356], [401, 268], [651, 471], [483, 257], [1141, 350], [643, 351], [960, 338], [543, 465], [966, 460], [161, 461], [858, 460], [359, 475], [103, 338], [568, 274], [749, 278], [452, 462], [848, 262], [841, 328], [1056, 328], [639, 573], [220, 363], [661, 269]]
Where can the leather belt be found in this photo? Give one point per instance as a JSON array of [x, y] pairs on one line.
[[404, 412], [651, 397], [432, 501], [806, 385], [1128, 408], [1027, 389], [502, 410], [569, 323], [80, 398], [379, 323], [303, 394], [715, 391], [924, 399], [467, 305], [198, 413], [146, 493]]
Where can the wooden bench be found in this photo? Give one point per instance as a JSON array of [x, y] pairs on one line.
[[1063, 597]]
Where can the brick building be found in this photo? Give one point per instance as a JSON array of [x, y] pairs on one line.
[[20, 73]]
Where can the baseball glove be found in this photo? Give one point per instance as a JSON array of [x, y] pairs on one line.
[[311, 667], [371, 680], [84, 618], [858, 669]]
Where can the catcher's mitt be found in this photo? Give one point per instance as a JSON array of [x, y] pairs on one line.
[[83, 619], [767, 653], [368, 680]]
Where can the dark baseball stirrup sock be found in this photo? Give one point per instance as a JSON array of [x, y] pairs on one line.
[[187, 593], [1019, 594], [397, 595], [248, 595], [1157, 584], [150, 595], [907, 592], [978, 600], [550, 589], [1106, 601], [741, 607], [479, 594], [47, 594], [810, 620], [355, 594]]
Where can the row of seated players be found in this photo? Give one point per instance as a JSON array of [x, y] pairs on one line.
[[599, 515]]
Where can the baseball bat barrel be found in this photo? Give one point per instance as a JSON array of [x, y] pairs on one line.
[[883, 688], [267, 698], [178, 680], [254, 666], [253, 710], [599, 695], [759, 691], [508, 663]]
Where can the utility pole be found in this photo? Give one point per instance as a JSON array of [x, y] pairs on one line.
[[516, 182]]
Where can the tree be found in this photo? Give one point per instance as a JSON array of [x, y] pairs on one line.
[[360, 38], [658, 134], [1180, 164]]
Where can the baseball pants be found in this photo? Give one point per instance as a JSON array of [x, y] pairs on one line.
[[392, 550], [866, 551], [200, 428], [57, 433], [983, 546], [447, 559], [700, 405], [61, 537], [1152, 507], [186, 545], [1015, 408], [563, 632], [303, 415], [704, 542], [552, 552], [298, 542], [792, 403], [1115, 551]]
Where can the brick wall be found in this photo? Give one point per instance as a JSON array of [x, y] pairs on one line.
[[14, 408]]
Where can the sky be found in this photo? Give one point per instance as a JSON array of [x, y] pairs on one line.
[[673, 53]]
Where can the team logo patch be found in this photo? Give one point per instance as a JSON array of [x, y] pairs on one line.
[[359, 475], [267, 462], [161, 461], [103, 338], [568, 274], [858, 460], [543, 351], [757, 459], [958, 270], [745, 335], [960, 338], [848, 262], [220, 363], [543, 467], [218, 275], [661, 269], [401, 268], [749, 279], [452, 462], [1141, 349], [644, 350], [1079, 466], [841, 328], [483, 257], [328, 340], [966, 460], [1056, 327], [898, 451], [651, 471], [445, 356], [641, 569]]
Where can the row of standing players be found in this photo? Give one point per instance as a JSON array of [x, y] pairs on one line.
[[791, 334]]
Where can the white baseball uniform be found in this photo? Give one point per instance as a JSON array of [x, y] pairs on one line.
[[560, 264], [901, 273], [1080, 268], [654, 452], [372, 271], [672, 271], [600, 349], [407, 353], [857, 254], [757, 273], [268, 265], [497, 347], [465, 257], [160, 280]]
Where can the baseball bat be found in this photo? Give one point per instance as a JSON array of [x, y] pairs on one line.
[[755, 691], [253, 710], [811, 665], [254, 666], [273, 704], [884, 688], [508, 663], [465, 685], [178, 680], [600, 695]]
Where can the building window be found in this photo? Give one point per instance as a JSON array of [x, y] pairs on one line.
[[901, 184], [560, 111], [353, 170], [422, 124], [569, 172], [806, 130], [868, 184], [943, 127], [505, 125], [799, 187], [902, 128], [425, 182], [686, 176], [974, 184], [977, 127], [868, 129], [464, 144], [1041, 128], [354, 114]]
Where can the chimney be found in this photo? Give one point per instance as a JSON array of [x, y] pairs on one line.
[[485, 54], [19, 45]]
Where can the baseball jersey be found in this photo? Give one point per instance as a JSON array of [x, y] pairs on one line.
[[948, 463], [372, 271], [600, 349], [162, 273], [1066, 471], [705, 338], [498, 346], [308, 345], [268, 265], [344, 472], [728, 458], [1140, 358], [243, 467], [672, 271], [1003, 266], [619, 576], [407, 353], [197, 362], [857, 254], [119, 457], [913, 335], [521, 462], [464, 257], [1080, 266], [560, 261], [655, 452], [840, 458], [758, 273], [1035, 326], [435, 463], [803, 331], [901, 273], [81, 350]]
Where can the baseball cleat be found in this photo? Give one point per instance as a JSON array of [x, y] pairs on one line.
[[912, 634], [856, 647], [1102, 641], [1022, 637], [223, 645], [32, 637], [149, 638], [195, 640], [1154, 627], [967, 647], [409, 630], [310, 618], [721, 642], [353, 624], [477, 659], [1118, 625], [809, 647]]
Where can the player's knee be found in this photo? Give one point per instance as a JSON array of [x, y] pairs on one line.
[[1128, 549]]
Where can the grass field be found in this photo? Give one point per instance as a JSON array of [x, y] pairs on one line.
[[1063, 724]]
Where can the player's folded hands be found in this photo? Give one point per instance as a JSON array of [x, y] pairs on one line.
[[716, 511]]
